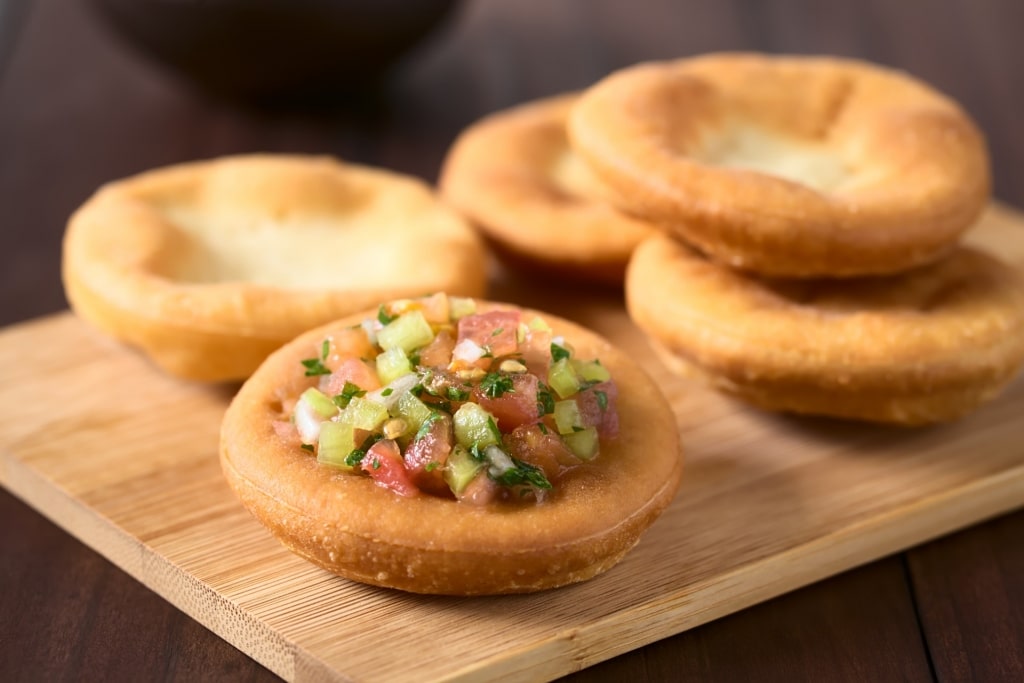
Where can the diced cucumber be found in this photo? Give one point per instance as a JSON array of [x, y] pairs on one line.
[[365, 414], [591, 371], [539, 324], [475, 426], [460, 469], [562, 378], [337, 440], [392, 364], [460, 307], [414, 411], [321, 404], [408, 332], [567, 416], [583, 444]]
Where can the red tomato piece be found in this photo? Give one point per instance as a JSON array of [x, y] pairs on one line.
[[383, 462], [598, 412], [512, 408], [352, 370], [495, 330], [347, 343], [425, 457], [439, 351], [436, 308], [536, 351], [545, 450], [481, 491]]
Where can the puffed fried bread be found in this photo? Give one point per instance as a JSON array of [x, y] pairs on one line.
[[787, 166], [209, 266]]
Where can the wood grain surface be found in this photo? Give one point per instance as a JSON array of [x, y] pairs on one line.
[[769, 503]]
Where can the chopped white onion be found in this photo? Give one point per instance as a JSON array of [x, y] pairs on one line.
[[307, 421], [371, 326], [468, 351], [397, 387], [500, 461]]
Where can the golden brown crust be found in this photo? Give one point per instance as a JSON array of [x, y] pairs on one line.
[[209, 266], [883, 172], [515, 176], [924, 346], [426, 544]]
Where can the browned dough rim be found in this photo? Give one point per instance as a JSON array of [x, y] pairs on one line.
[[925, 346], [350, 526], [911, 172], [209, 266], [515, 176]]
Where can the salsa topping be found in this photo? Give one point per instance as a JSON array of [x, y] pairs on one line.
[[432, 397]]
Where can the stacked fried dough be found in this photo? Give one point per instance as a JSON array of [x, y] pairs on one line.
[[799, 225]]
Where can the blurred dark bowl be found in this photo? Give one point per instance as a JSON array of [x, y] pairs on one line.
[[273, 49]]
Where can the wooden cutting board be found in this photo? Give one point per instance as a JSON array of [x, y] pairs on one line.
[[125, 459]]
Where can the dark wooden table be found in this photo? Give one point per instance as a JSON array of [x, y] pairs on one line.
[[78, 108]]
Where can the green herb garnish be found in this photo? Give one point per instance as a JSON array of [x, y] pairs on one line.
[[387, 392], [383, 317], [425, 427], [497, 331], [602, 400], [523, 473], [431, 466], [355, 457], [348, 392], [307, 447], [456, 394], [494, 384], [543, 427], [545, 401], [558, 352], [314, 367]]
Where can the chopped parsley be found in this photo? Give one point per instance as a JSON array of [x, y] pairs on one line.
[[543, 427], [307, 447], [456, 394], [387, 392], [545, 400], [348, 392], [425, 427], [383, 317], [602, 400], [376, 463], [497, 331], [558, 352], [431, 466], [495, 384], [523, 473], [355, 457], [315, 367]]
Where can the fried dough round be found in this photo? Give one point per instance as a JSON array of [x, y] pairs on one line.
[[925, 346], [210, 266], [427, 544], [516, 177], [788, 166]]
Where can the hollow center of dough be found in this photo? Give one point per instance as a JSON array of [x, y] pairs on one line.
[[571, 174], [302, 253], [757, 149]]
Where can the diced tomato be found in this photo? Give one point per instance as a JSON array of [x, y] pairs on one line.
[[439, 351], [358, 372], [544, 449], [536, 351], [495, 330], [425, 457], [435, 308], [481, 491], [512, 408], [350, 342], [598, 412], [383, 462]]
